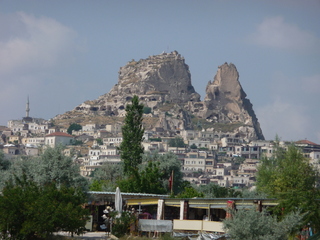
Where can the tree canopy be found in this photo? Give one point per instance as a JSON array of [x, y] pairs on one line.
[[52, 166], [106, 177], [288, 177], [167, 163], [74, 127], [176, 142], [213, 190], [29, 211]]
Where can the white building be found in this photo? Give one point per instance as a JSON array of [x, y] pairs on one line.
[[57, 138]]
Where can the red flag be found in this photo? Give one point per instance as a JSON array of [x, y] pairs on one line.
[[171, 181]]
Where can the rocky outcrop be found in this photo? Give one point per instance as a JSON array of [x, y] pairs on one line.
[[226, 102], [163, 84]]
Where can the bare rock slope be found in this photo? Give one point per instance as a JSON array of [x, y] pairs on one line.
[[163, 84]]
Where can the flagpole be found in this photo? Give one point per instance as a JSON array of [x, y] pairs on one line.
[[172, 182]]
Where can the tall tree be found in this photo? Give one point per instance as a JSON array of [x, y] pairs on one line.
[[290, 178], [131, 149]]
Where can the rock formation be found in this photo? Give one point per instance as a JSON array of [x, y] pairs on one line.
[[163, 84], [226, 102]]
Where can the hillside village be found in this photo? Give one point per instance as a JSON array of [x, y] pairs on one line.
[[206, 156], [217, 140]]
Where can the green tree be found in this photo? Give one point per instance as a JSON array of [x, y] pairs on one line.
[[105, 178], [168, 164], [121, 225], [213, 190], [254, 225], [29, 211], [176, 142], [147, 180], [193, 146], [190, 192], [290, 178], [52, 166], [131, 149], [146, 110], [99, 141], [75, 127], [4, 163]]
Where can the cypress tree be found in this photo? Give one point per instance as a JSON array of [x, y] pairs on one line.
[[131, 149]]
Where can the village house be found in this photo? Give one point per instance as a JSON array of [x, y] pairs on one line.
[[114, 128], [34, 141], [196, 161], [112, 141], [57, 138]]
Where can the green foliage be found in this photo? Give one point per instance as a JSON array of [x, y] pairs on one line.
[[121, 225], [190, 192], [96, 185], [132, 134], [213, 190], [203, 149], [99, 141], [255, 225], [147, 180], [193, 146], [146, 110], [290, 178], [176, 142], [155, 139], [52, 166], [105, 178], [75, 127], [29, 211], [246, 193], [167, 163], [4, 163], [76, 142]]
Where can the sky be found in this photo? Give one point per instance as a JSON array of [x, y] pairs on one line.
[[62, 53]]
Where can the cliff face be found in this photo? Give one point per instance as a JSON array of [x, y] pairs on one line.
[[163, 84], [226, 102]]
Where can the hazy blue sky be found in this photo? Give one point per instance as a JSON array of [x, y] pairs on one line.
[[62, 53]]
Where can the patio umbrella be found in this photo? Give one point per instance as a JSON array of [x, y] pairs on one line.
[[118, 200]]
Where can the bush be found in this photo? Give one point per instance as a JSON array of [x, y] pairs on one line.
[[146, 110], [121, 225]]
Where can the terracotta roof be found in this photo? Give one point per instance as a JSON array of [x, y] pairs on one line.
[[305, 142], [59, 134]]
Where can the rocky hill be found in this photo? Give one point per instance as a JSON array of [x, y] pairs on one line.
[[163, 84]]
